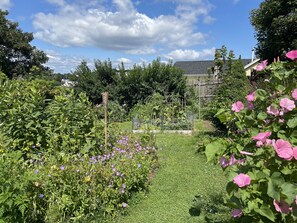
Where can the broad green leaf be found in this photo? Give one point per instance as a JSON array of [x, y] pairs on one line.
[[212, 149], [289, 190], [272, 190], [265, 211], [261, 94], [292, 123], [262, 116]]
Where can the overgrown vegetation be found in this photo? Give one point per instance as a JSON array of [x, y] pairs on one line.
[[234, 84], [54, 164]]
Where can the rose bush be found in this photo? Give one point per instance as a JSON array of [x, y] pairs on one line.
[[260, 154]]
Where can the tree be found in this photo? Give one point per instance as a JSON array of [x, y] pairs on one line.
[[95, 82], [275, 23], [17, 56], [234, 84]]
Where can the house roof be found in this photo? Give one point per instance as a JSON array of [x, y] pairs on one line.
[[200, 67]]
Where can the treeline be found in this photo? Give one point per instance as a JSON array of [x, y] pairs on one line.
[[128, 87]]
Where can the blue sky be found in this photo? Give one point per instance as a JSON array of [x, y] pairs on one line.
[[134, 31]]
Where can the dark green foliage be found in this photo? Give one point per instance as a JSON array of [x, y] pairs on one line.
[[234, 85], [17, 56], [141, 82], [95, 82], [211, 207], [37, 116], [275, 23]]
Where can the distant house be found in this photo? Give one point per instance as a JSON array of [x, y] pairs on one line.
[[201, 70]]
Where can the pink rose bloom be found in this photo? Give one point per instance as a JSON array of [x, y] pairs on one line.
[[236, 213], [250, 97], [237, 106], [262, 65], [287, 104], [262, 136], [272, 111], [292, 55], [283, 149], [232, 160], [259, 143], [242, 180], [281, 120], [282, 207], [294, 94], [295, 152]]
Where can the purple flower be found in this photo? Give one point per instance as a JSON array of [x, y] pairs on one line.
[[236, 213], [62, 167], [282, 207], [224, 162], [41, 195], [124, 205], [37, 171]]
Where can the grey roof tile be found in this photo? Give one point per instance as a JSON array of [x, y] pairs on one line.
[[200, 67]]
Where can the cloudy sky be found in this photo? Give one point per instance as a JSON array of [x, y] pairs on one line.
[[133, 31]]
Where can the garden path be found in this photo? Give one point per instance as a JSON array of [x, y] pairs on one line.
[[182, 174]]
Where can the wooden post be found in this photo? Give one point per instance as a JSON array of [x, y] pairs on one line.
[[105, 102]]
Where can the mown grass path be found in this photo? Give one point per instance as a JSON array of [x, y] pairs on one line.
[[182, 174]]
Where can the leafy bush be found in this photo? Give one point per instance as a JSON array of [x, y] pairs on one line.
[[261, 155], [73, 187], [37, 116], [161, 113]]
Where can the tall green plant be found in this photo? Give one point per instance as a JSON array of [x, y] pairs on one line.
[[260, 157]]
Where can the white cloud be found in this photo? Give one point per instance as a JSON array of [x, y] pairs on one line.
[[187, 54], [64, 63], [235, 1], [5, 4], [124, 60], [124, 29], [57, 2]]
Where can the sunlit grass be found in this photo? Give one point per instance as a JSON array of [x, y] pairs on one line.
[[182, 175]]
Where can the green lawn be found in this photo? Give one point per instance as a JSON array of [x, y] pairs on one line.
[[182, 174]]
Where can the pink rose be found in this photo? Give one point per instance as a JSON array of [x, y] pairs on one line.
[[287, 104], [282, 207], [262, 65], [272, 111], [250, 97], [262, 136], [294, 94], [237, 106], [242, 180], [292, 55], [283, 149], [236, 213]]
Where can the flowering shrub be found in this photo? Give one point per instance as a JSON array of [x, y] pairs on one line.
[[73, 187], [260, 157]]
